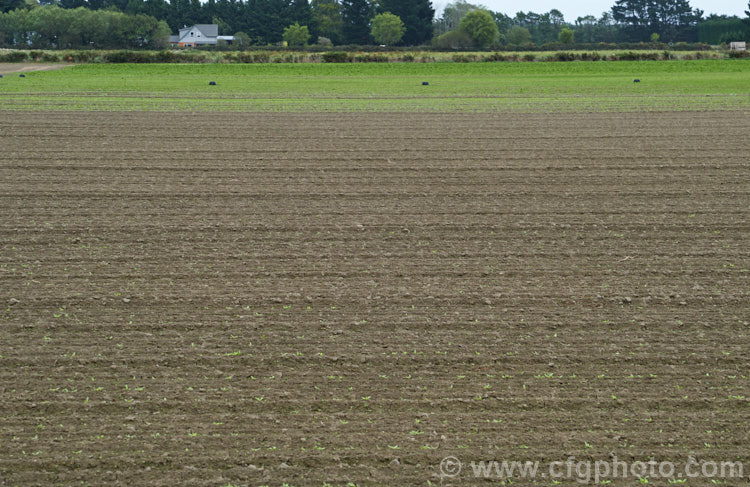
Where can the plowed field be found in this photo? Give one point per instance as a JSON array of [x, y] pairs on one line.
[[259, 298]]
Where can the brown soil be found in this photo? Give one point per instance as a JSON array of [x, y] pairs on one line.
[[8, 68], [265, 298]]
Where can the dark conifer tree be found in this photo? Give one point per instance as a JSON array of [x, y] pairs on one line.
[[357, 15], [417, 16]]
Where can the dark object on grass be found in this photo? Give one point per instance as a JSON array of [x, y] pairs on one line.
[[1, 75], [21, 75], [425, 83], [636, 80], [212, 83]]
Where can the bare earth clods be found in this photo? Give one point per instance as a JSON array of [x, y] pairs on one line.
[[264, 298]]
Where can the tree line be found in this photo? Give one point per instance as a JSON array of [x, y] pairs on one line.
[[463, 25]]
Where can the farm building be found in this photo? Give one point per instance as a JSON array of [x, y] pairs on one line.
[[198, 35], [737, 46]]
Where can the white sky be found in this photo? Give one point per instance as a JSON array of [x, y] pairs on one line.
[[573, 9]]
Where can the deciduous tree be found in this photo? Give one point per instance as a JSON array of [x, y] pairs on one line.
[[387, 28], [481, 27], [566, 36], [518, 35], [296, 35]]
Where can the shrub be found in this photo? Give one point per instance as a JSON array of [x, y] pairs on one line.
[[128, 57], [738, 54], [79, 56], [566, 36], [336, 57], [564, 56], [494, 58], [167, 57], [371, 58], [13, 57], [627, 56], [252, 57], [324, 42], [296, 35], [49, 57], [464, 58], [455, 39], [590, 56]]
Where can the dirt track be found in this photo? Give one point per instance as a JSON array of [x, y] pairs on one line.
[[308, 298], [8, 68]]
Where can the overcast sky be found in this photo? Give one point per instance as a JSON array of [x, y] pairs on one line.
[[572, 9]]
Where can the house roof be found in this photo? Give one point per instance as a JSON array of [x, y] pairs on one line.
[[208, 30], [197, 34]]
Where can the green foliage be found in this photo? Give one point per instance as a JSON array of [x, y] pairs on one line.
[[716, 30], [336, 57], [589, 29], [13, 57], [296, 35], [417, 16], [160, 36], [732, 36], [566, 36], [356, 15], [455, 39], [654, 37], [241, 39], [673, 20], [129, 57], [324, 42], [481, 27], [371, 58], [8, 5], [55, 27], [454, 12], [345, 22], [327, 17], [518, 35], [543, 28], [387, 28]]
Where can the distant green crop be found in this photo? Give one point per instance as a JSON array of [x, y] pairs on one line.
[[519, 87]]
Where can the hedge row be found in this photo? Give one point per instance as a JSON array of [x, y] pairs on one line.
[[550, 46], [340, 57]]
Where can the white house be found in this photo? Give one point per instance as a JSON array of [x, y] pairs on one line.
[[738, 46], [198, 35]]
